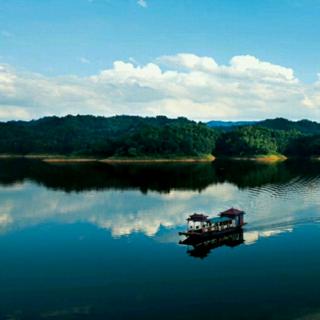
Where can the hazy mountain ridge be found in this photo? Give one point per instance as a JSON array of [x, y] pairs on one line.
[[225, 124]]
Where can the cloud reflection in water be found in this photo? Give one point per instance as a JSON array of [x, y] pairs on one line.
[[271, 208]]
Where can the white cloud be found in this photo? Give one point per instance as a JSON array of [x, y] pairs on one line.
[[251, 65], [180, 85], [190, 61], [142, 3]]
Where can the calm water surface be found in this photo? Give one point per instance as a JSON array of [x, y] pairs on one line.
[[97, 241]]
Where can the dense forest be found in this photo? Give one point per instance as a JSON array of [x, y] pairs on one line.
[[120, 136], [303, 126], [272, 136], [138, 137], [255, 140]]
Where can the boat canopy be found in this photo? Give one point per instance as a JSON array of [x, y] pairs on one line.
[[219, 220]]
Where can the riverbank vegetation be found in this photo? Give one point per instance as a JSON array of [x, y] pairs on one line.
[[133, 137]]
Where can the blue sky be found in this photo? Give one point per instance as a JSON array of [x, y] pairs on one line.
[[81, 38], [52, 36]]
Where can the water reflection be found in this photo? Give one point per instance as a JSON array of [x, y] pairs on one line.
[[156, 177], [114, 197], [96, 241], [201, 249], [101, 176]]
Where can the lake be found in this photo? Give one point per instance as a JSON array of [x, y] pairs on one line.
[[100, 241]]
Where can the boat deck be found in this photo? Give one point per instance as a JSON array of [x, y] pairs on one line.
[[197, 234]]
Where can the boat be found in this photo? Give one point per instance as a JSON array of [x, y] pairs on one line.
[[200, 226]]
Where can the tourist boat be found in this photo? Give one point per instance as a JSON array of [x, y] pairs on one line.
[[201, 226]]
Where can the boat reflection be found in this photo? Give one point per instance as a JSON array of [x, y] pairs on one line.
[[202, 248]]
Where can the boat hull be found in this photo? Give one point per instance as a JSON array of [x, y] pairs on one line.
[[193, 236]]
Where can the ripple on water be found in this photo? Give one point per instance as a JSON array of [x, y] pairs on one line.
[[286, 204]]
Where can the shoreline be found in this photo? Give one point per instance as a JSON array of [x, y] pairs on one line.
[[79, 159], [205, 159], [126, 160]]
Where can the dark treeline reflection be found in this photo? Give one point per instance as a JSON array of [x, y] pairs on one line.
[[153, 177]]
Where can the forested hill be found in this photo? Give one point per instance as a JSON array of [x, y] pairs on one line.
[[270, 137], [303, 126], [120, 136], [157, 137]]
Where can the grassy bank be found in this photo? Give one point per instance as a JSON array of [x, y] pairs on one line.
[[267, 158], [271, 158]]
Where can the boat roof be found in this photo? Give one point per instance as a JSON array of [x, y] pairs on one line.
[[198, 217], [219, 219], [231, 212]]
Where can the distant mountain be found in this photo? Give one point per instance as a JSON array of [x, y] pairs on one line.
[[303, 126], [224, 124]]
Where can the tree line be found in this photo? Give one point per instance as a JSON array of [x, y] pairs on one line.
[[133, 136], [120, 136]]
